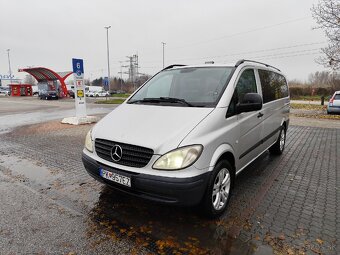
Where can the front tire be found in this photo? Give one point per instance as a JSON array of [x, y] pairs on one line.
[[219, 189], [278, 147]]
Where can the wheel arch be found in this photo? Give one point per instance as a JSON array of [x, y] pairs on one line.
[[223, 152]]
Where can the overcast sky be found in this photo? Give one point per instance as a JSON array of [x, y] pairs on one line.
[[50, 33]]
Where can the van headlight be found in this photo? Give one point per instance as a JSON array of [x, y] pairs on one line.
[[179, 158], [88, 141]]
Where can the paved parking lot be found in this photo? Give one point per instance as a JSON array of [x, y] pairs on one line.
[[282, 205], [288, 203]]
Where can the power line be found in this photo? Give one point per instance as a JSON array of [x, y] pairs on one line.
[[251, 52], [273, 56], [243, 53], [242, 33]]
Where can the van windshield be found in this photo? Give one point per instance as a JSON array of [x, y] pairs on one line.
[[192, 86]]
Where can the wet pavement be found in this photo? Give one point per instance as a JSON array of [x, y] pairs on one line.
[[18, 111], [49, 205]]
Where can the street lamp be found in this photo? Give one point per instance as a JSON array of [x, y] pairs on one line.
[[9, 66], [108, 54], [163, 52]]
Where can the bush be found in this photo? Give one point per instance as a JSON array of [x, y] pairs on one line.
[[309, 92]]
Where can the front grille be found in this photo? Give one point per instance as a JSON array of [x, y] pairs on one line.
[[135, 156]]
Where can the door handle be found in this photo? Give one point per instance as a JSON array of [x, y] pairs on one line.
[[260, 115]]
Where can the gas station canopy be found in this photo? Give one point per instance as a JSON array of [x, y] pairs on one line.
[[42, 74]]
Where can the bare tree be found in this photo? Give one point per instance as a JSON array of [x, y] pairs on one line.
[[327, 15], [29, 79]]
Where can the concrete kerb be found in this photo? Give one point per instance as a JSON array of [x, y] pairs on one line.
[[80, 120]]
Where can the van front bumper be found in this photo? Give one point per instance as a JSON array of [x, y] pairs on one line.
[[169, 190]]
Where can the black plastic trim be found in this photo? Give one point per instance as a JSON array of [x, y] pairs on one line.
[[169, 190], [260, 142]]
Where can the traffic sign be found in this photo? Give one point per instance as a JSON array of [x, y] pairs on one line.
[[78, 67], [78, 75]]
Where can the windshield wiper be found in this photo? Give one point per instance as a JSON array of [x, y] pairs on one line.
[[176, 100], [162, 99]]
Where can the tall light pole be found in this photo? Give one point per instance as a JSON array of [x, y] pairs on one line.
[[9, 66], [121, 75], [108, 53], [163, 43]]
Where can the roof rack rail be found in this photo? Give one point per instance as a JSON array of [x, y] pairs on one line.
[[171, 66], [247, 60]]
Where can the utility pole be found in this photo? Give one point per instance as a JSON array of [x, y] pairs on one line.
[[108, 54], [163, 43], [9, 66], [121, 75]]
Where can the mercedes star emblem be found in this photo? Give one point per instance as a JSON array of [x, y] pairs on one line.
[[116, 153]]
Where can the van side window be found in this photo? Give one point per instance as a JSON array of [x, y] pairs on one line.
[[246, 84], [274, 86]]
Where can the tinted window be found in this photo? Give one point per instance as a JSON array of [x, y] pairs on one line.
[[337, 97], [246, 84], [274, 86]]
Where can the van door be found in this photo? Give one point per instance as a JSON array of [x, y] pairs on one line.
[[248, 145], [275, 108]]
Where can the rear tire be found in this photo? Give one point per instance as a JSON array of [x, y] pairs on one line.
[[219, 189], [278, 147]]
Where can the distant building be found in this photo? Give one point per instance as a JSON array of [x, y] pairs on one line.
[[5, 80]]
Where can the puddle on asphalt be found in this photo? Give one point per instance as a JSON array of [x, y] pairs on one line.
[[27, 169], [166, 229]]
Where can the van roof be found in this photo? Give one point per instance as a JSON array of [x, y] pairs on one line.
[[238, 63]]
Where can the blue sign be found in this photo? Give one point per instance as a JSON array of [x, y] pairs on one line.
[[106, 83], [78, 66]]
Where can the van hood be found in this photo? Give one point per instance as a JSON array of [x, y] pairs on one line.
[[161, 128]]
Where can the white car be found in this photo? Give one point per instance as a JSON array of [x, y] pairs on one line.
[[184, 136], [102, 93], [89, 93], [334, 103], [4, 91]]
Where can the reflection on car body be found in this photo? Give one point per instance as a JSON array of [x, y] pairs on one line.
[[188, 131]]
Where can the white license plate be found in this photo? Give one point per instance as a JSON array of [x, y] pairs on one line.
[[124, 180]]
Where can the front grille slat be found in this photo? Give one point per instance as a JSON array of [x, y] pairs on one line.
[[133, 155]]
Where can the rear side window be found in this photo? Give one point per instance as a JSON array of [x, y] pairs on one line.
[[274, 86], [337, 97]]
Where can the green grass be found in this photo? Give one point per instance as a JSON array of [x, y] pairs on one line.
[[110, 101], [309, 98], [308, 106], [121, 95]]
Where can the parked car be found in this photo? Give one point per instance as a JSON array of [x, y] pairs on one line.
[[185, 135], [90, 93], [70, 92], [334, 103], [48, 94], [112, 92], [4, 91], [102, 93]]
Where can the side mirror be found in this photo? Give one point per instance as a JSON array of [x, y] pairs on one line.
[[251, 102]]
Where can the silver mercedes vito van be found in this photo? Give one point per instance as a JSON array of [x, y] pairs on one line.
[[184, 135]]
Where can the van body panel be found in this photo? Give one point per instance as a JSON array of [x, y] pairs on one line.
[[164, 127], [274, 114], [135, 124], [211, 132]]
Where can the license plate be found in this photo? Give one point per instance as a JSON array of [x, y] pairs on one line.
[[124, 180]]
